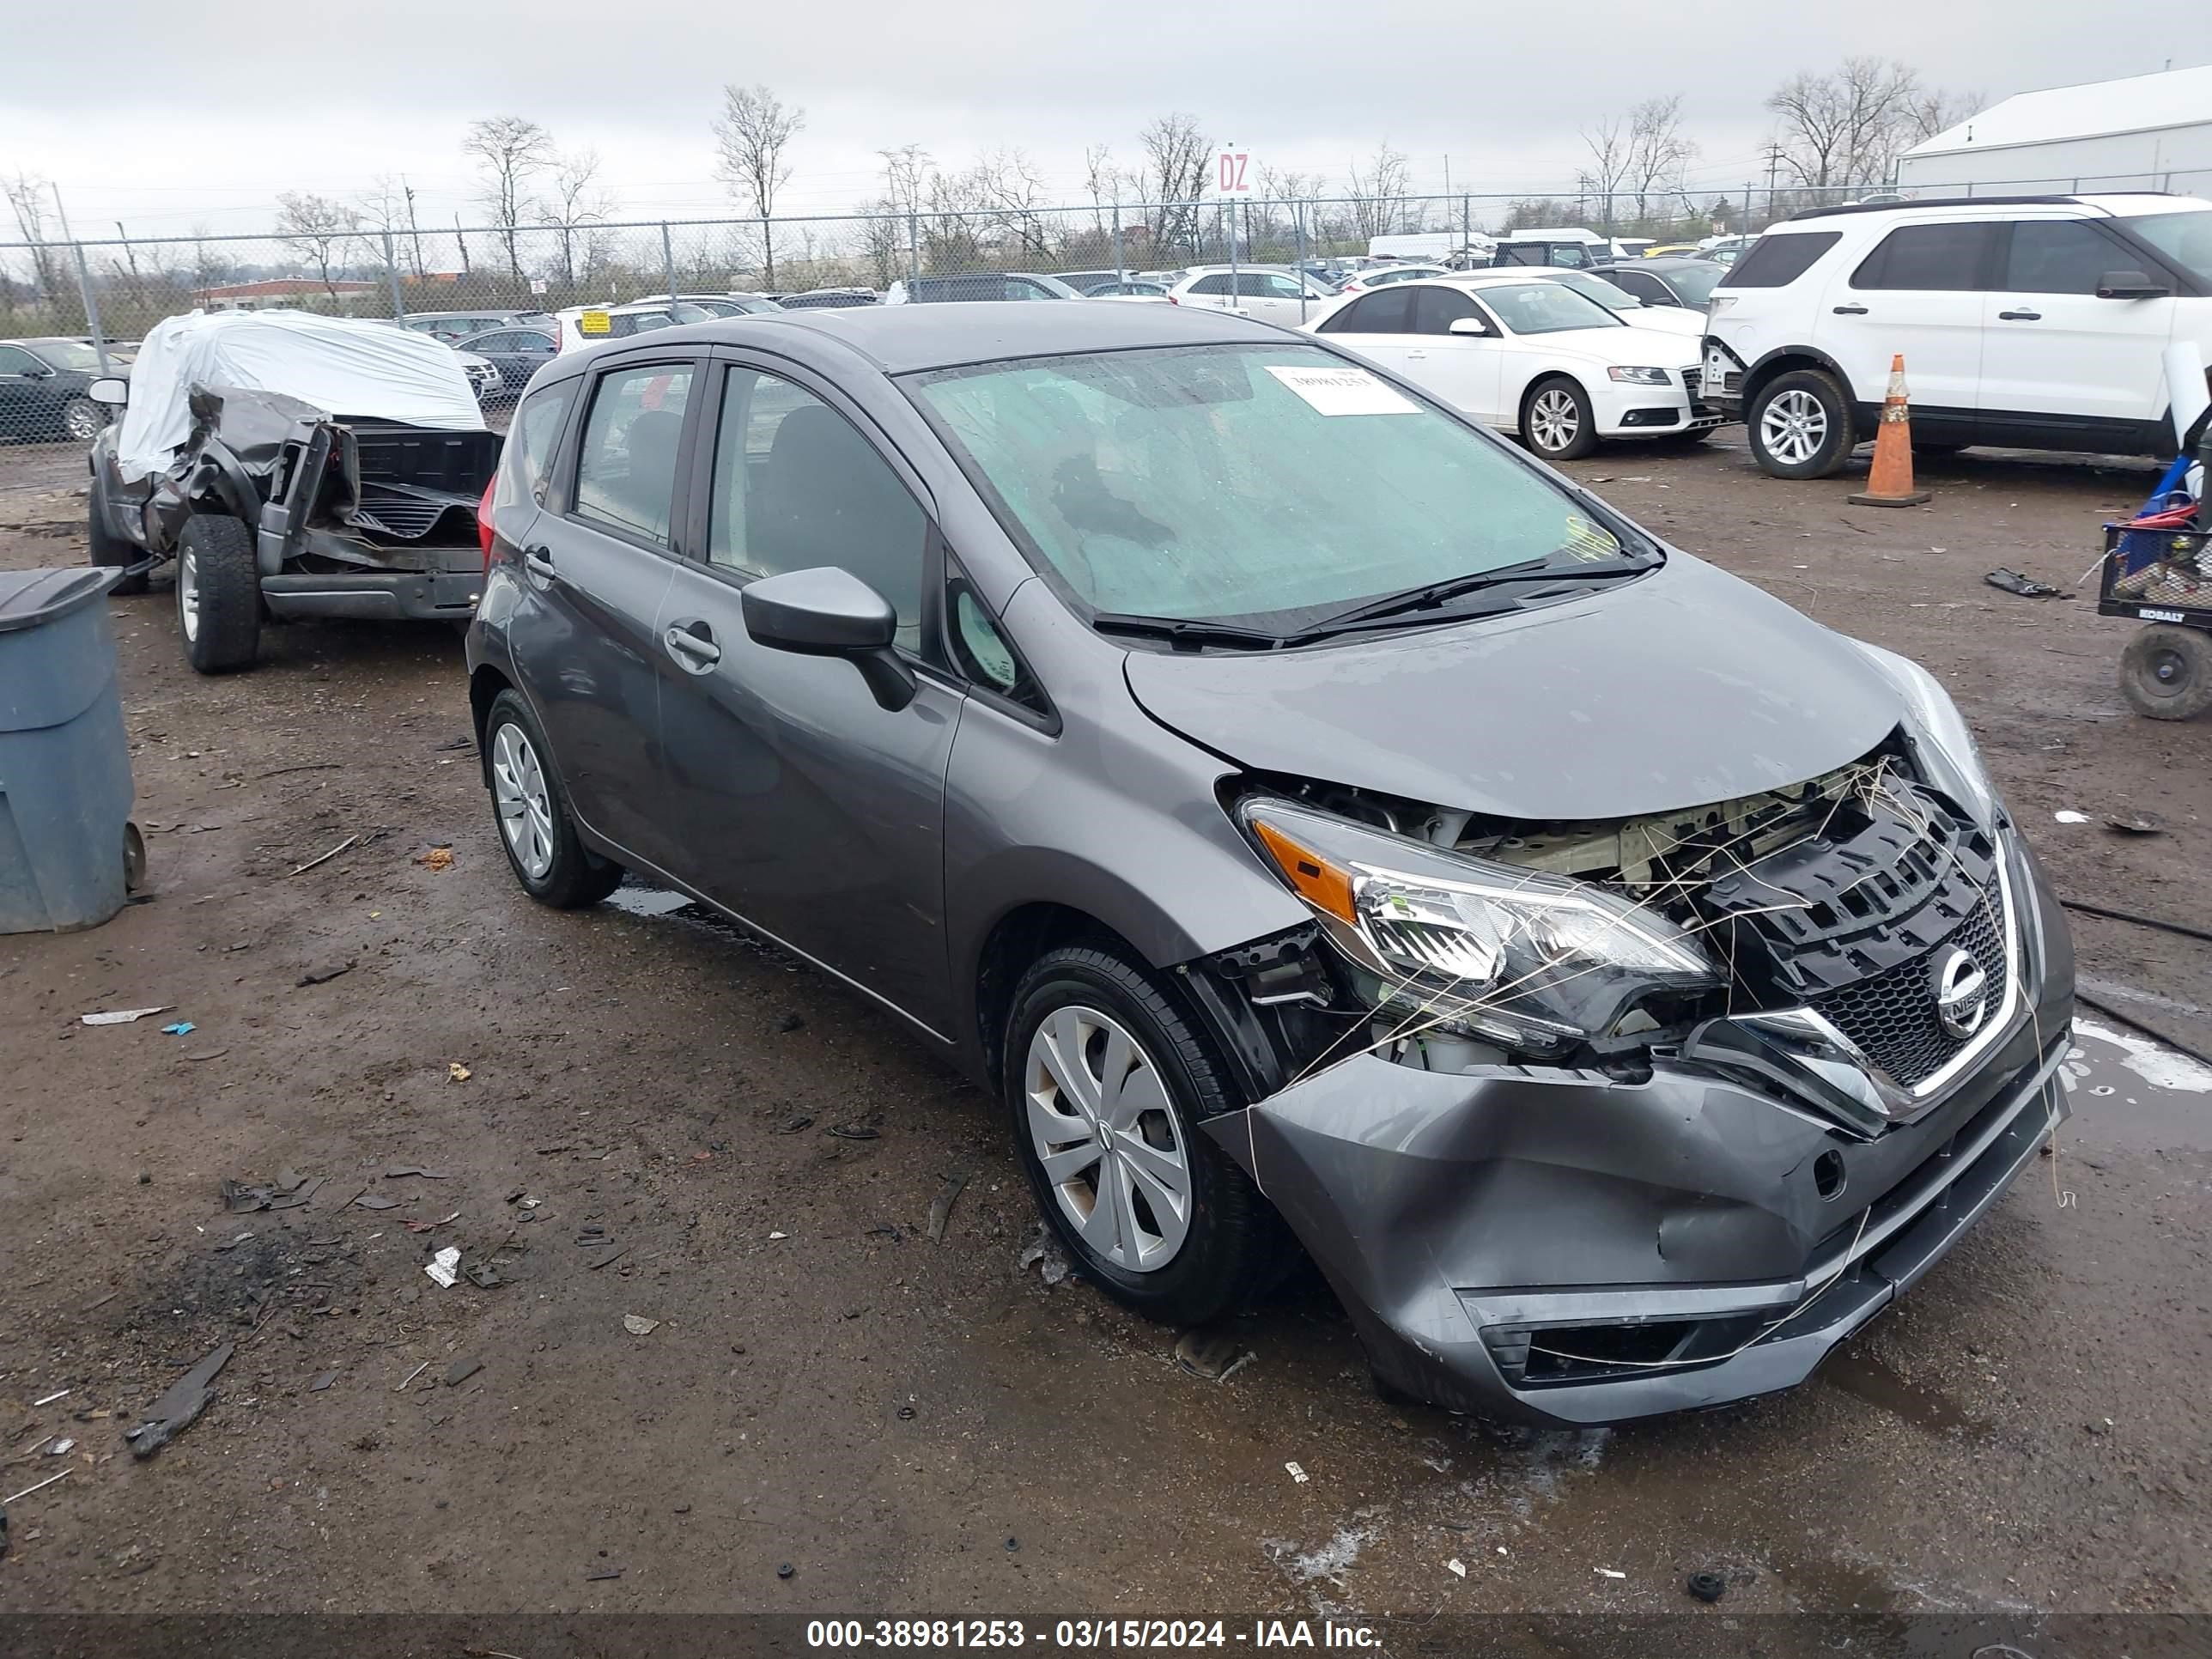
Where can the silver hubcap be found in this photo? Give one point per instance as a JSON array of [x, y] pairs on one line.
[[188, 594], [525, 801], [82, 422], [1102, 1130], [1554, 423], [1793, 427]]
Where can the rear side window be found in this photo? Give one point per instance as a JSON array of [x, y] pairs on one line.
[[2057, 256], [1928, 259], [1386, 311], [1210, 285], [1778, 261], [530, 441], [626, 471]]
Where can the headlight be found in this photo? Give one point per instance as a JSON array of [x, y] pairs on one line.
[[1956, 765], [1535, 962], [1640, 376]]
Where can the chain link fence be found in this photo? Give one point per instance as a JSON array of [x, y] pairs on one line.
[[72, 311]]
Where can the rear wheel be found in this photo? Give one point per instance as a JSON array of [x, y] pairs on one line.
[[1557, 421], [1107, 1082], [2165, 673], [536, 825], [106, 547], [1800, 425], [218, 593]]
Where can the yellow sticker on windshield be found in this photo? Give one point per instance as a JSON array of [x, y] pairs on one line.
[[1587, 541], [595, 322]]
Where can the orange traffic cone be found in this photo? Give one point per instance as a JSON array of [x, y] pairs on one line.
[[1889, 484]]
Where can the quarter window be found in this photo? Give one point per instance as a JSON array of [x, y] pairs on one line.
[[529, 446], [798, 487], [1386, 311], [1210, 285], [1928, 259], [2057, 256], [626, 474]]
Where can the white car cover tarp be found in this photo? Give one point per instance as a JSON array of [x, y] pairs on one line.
[[370, 370]]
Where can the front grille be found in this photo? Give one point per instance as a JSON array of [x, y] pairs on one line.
[[1691, 379], [1891, 1015]]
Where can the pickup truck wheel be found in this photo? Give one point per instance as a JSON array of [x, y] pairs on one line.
[[1800, 425], [536, 824], [218, 593], [106, 547]]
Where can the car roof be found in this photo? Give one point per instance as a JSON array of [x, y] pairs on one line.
[[903, 339], [1664, 262], [2149, 201]]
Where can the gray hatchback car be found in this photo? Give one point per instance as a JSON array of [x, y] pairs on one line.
[[1303, 812]]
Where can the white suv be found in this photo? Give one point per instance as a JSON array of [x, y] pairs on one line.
[[2028, 322]]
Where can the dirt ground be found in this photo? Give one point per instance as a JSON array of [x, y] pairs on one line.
[[910, 1424]]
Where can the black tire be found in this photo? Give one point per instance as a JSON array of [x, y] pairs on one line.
[[573, 878], [2165, 673], [105, 546], [218, 593], [82, 420], [1838, 435], [1232, 1244], [1573, 445]]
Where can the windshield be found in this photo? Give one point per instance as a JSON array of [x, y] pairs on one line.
[[66, 354], [1693, 284], [1597, 288], [1252, 485], [1546, 308], [2183, 238]]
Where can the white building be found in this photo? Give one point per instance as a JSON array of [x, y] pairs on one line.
[[2146, 132]]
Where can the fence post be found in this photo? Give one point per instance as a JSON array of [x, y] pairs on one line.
[[1466, 227], [392, 271], [668, 262], [913, 249], [91, 307], [1228, 223], [1298, 243], [1121, 269]]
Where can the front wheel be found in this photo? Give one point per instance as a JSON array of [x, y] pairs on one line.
[[218, 593], [2165, 673], [1107, 1082], [1557, 421], [1800, 425], [536, 824], [82, 420]]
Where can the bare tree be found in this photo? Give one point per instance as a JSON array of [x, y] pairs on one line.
[[1657, 149], [209, 266], [578, 201], [907, 172], [317, 228], [1934, 110], [751, 134], [1844, 128], [1376, 189], [27, 198], [1178, 157], [1612, 150], [1009, 184], [511, 153]]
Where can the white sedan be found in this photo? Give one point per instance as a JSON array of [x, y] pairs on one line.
[[1526, 354], [1389, 276], [1262, 292], [1669, 319]]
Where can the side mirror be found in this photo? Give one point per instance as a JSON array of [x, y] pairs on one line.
[[2131, 285], [117, 392], [1470, 327], [829, 612]]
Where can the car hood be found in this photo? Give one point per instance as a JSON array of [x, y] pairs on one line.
[[1675, 689], [1667, 320], [1632, 342]]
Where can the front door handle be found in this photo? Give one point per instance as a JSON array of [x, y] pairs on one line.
[[692, 645], [1850, 311], [538, 562], [1416, 356], [2020, 316]]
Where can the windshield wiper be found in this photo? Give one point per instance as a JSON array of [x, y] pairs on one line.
[[1437, 594], [1182, 632]]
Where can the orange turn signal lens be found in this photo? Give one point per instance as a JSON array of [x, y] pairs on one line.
[[1325, 885]]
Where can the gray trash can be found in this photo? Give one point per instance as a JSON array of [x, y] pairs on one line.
[[65, 832]]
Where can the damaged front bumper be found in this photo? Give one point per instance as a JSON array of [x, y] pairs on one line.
[[1564, 1248]]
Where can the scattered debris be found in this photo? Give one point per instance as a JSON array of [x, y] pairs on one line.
[[94, 1307], [774, 1237], [208, 1054], [322, 975], [461, 1370], [60, 1448], [791, 1125], [638, 1325], [50, 1399], [40, 1487], [905, 1413], [445, 1266], [485, 1276], [1045, 1248], [321, 1381], [2137, 823], [410, 1376], [1296, 1473], [940, 1208], [1456, 1567], [286, 1191], [119, 1016], [2012, 582], [851, 1132], [1607, 1572], [784, 1569], [454, 744], [399, 1170], [611, 1255], [1707, 1586], [303, 869], [790, 1022], [182, 1028], [457, 1072], [1213, 1355], [375, 1201], [178, 1409], [2071, 817], [603, 1572], [438, 858]]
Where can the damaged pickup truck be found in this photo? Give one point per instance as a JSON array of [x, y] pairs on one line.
[[1302, 811], [292, 466]]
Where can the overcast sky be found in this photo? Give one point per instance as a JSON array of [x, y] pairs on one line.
[[172, 118]]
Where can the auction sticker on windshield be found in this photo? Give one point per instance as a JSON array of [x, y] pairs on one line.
[[595, 322], [1344, 391]]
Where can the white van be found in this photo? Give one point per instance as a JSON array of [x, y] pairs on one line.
[[2028, 322]]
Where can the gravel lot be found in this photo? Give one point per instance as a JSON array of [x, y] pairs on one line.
[[919, 1426]]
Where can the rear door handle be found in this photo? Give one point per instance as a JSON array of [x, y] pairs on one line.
[[694, 650], [538, 562], [1850, 311], [2020, 316]]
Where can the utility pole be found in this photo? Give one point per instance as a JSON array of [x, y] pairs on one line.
[[461, 242], [414, 235], [1773, 167]]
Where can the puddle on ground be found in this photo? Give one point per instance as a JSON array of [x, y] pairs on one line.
[[2129, 1091], [1861, 1375]]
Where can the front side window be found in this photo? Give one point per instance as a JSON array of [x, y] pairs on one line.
[[1258, 485], [2057, 256], [1693, 286], [798, 486], [1927, 259], [1437, 308], [626, 471], [1640, 284], [2185, 238], [1546, 308], [68, 355]]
